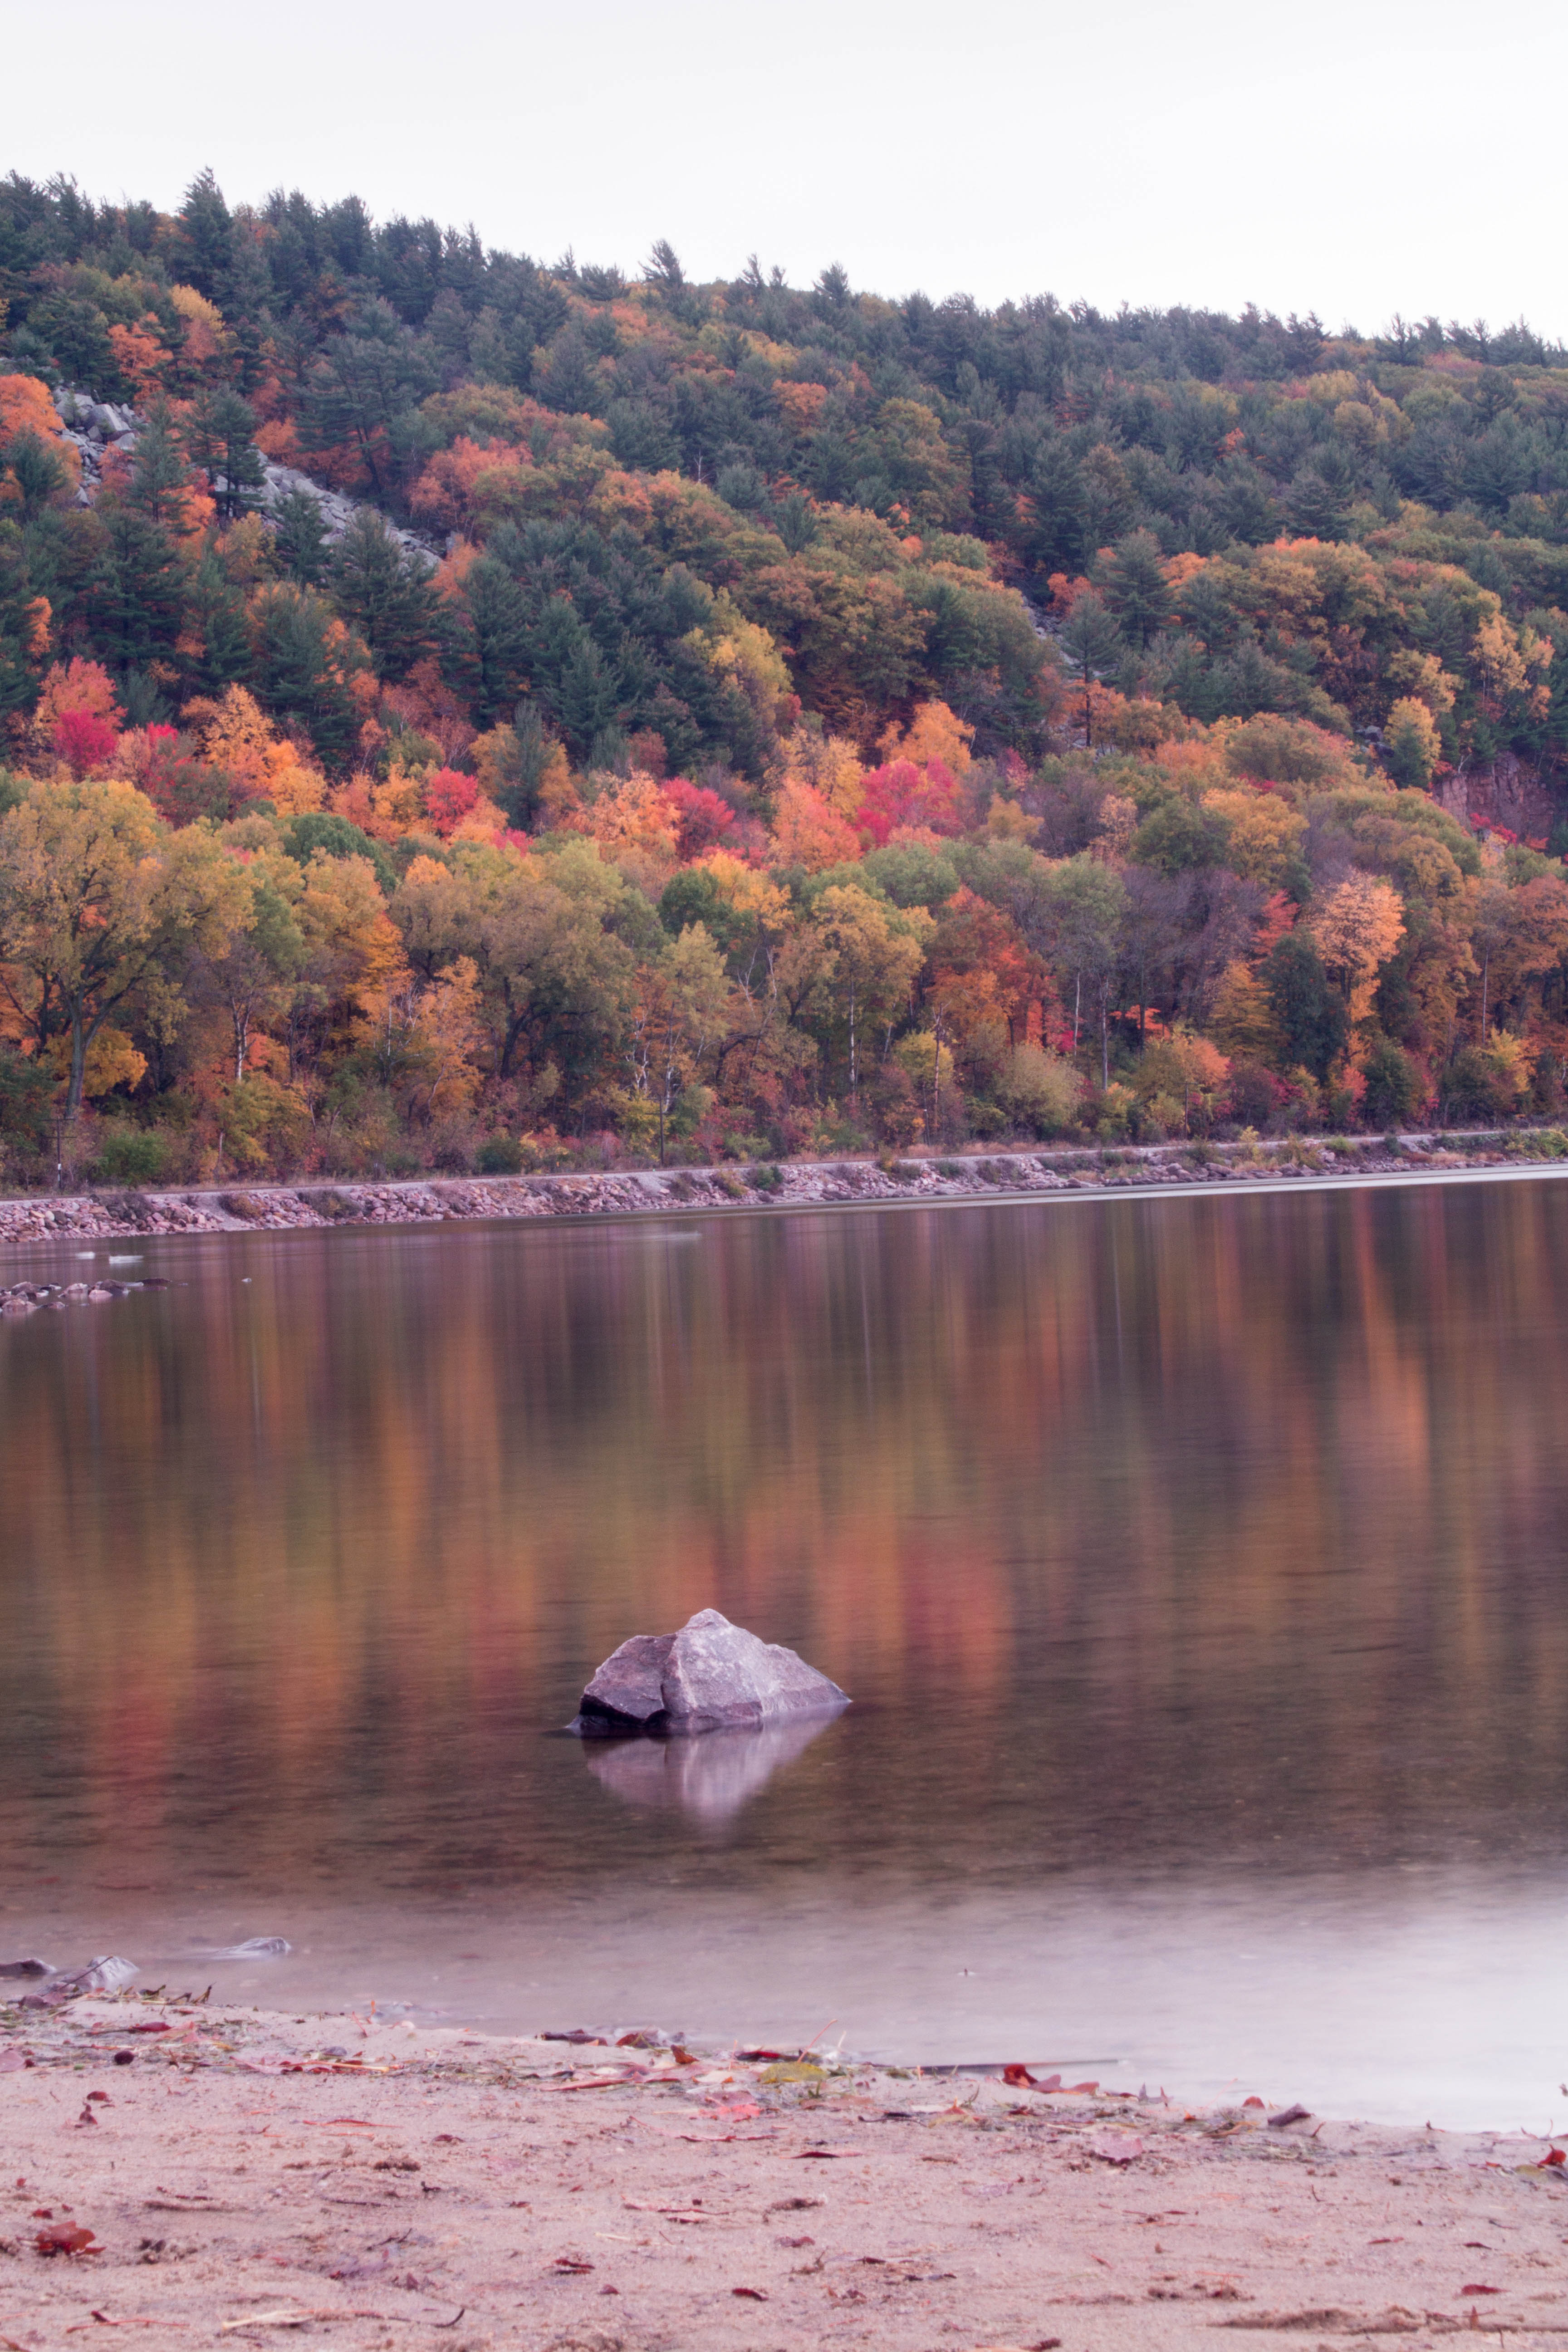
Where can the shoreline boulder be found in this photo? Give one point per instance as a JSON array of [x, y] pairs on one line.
[[710, 1676]]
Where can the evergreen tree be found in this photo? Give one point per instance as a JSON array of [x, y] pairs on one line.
[[1135, 587], [18, 678], [492, 654], [219, 437], [160, 473], [299, 663], [1309, 1010], [386, 592], [1091, 642], [206, 236], [300, 534], [218, 613], [137, 599]]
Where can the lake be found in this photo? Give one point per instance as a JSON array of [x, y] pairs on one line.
[[1197, 1567]]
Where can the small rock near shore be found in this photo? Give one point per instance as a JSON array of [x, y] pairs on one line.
[[710, 1676]]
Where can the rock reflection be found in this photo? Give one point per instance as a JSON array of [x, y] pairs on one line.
[[709, 1779]]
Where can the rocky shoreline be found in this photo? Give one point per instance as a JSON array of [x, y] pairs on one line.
[[788, 1184]]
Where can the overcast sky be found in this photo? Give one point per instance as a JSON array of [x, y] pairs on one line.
[[1356, 158]]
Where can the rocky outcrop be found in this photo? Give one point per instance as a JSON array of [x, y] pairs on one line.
[[94, 426], [710, 1676], [1507, 791]]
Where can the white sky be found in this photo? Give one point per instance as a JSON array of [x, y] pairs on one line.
[[1353, 157]]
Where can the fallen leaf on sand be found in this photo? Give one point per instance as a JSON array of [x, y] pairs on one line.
[[66, 2238], [1115, 2147], [1481, 2289], [751, 2293]]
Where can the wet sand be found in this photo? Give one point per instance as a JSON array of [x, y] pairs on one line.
[[254, 2176]]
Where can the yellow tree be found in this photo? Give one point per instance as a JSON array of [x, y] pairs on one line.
[[97, 901], [1357, 927], [681, 998], [353, 968], [854, 965], [446, 1029], [1412, 742], [250, 971]]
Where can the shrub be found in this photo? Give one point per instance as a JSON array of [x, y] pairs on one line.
[[131, 1155], [1393, 1088], [764, 1179], [1255, 1096], [1040, 1090], [499, 1155], [1470, 1088]]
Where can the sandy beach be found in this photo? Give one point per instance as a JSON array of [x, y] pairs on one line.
[[202, 2173]]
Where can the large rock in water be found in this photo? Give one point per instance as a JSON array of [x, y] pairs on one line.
[[711, 1676]]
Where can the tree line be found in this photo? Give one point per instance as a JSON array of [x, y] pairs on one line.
[[736, 719]]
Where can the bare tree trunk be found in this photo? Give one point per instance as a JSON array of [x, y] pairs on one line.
[[78, 1067]]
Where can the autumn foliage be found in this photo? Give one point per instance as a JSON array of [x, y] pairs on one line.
[[736, 719]]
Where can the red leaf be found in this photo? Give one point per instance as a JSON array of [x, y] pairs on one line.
[[1020, 2077], [66, 2238], [751, 2294], [1481, 2290]]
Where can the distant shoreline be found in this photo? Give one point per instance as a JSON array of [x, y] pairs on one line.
[[1173, 1170]]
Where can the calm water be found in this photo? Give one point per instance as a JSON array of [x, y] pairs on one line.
[[1196, 1566]]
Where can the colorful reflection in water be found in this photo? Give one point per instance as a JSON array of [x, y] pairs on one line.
[[1197, 1567]]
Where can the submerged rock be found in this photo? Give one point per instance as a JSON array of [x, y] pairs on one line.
[[711, 1676], [106, 1973]]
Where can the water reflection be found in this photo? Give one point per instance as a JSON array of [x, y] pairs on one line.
[[710, 1778], [1181, 1545]]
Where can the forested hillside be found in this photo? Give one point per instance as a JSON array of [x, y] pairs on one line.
[[460, 710]]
